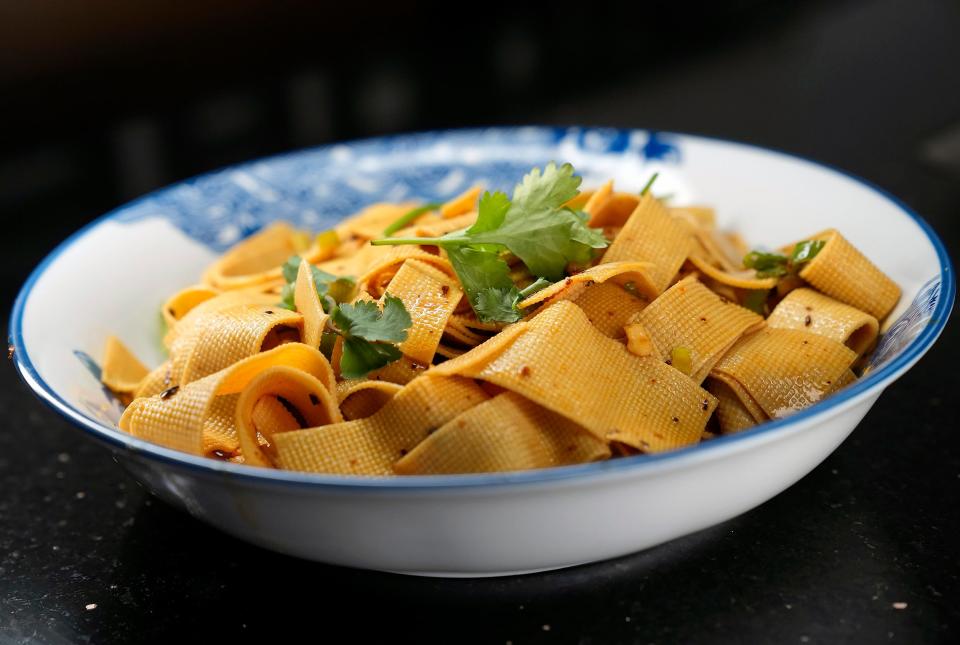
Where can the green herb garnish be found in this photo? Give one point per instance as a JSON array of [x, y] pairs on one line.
[[369, 334], [756, 301], [776, 265], [649, 184], [535, 226], [330, 288], [408, 217]]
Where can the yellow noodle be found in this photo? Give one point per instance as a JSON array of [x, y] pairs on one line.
[[608, 306], [176, 418], [179, 304], [221, 338], [462, 203], [121, 371], [844, 273], [652, 235], [731, 412], [429, 296], [505, 433], [562, 362], [814, 312], [785, 370], [691, 316], [304, 392], [359, 398], [638, 273], [307, 302], [372, 445]]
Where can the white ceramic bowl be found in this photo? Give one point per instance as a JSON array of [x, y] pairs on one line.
[[112, 276]]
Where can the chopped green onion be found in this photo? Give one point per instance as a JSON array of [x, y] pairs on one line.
[[408, 217], [681, 358], [646, 187], [756, 301]]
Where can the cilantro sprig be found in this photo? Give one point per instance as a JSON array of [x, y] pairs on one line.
[[370, 336], [330, 288], [777, 265], [534, 225]]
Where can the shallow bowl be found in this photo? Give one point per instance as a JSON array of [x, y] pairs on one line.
[[111, 277]]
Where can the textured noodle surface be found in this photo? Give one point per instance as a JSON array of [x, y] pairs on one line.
[[691, 316], [844, 273], [652, 235], [430, 296], [371, 446], [122, 372], [814, 312], [562, 362], [785, 370], [176, 418], [508, 432]]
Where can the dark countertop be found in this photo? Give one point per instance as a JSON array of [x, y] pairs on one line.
[[865, 549]]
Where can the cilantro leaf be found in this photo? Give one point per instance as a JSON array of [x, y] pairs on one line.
[[369, 334], [535, 226], [360, 356], [498, 303], [552, 189], [480, 271], [364, 319], [493, 208]]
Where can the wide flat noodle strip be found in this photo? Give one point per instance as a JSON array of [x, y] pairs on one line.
[[360, 398], [372, 220], [156, 381], [429, 296], [652, 235], [225, 300], [436, 226], [182, 302], [291, 387], [614, 211], [462, 203], [637, 274], [121, 371], [379, 275], [691, 316], [307, 302], [842, 272], [221, 338], [176, 419], [597, 199], [258, 259], [609, 307], [506, 433], [732, 414], [372, 445], [785, 370], [736, 278], [562, 362], [809, 310]]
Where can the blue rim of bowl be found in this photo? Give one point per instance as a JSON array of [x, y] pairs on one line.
[[343, 483]]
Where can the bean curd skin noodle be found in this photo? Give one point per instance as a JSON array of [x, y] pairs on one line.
[[549, 328]]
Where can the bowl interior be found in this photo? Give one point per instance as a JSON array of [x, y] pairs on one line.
[[111, 277]]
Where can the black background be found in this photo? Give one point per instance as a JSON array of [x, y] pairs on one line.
[[104, 100]]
